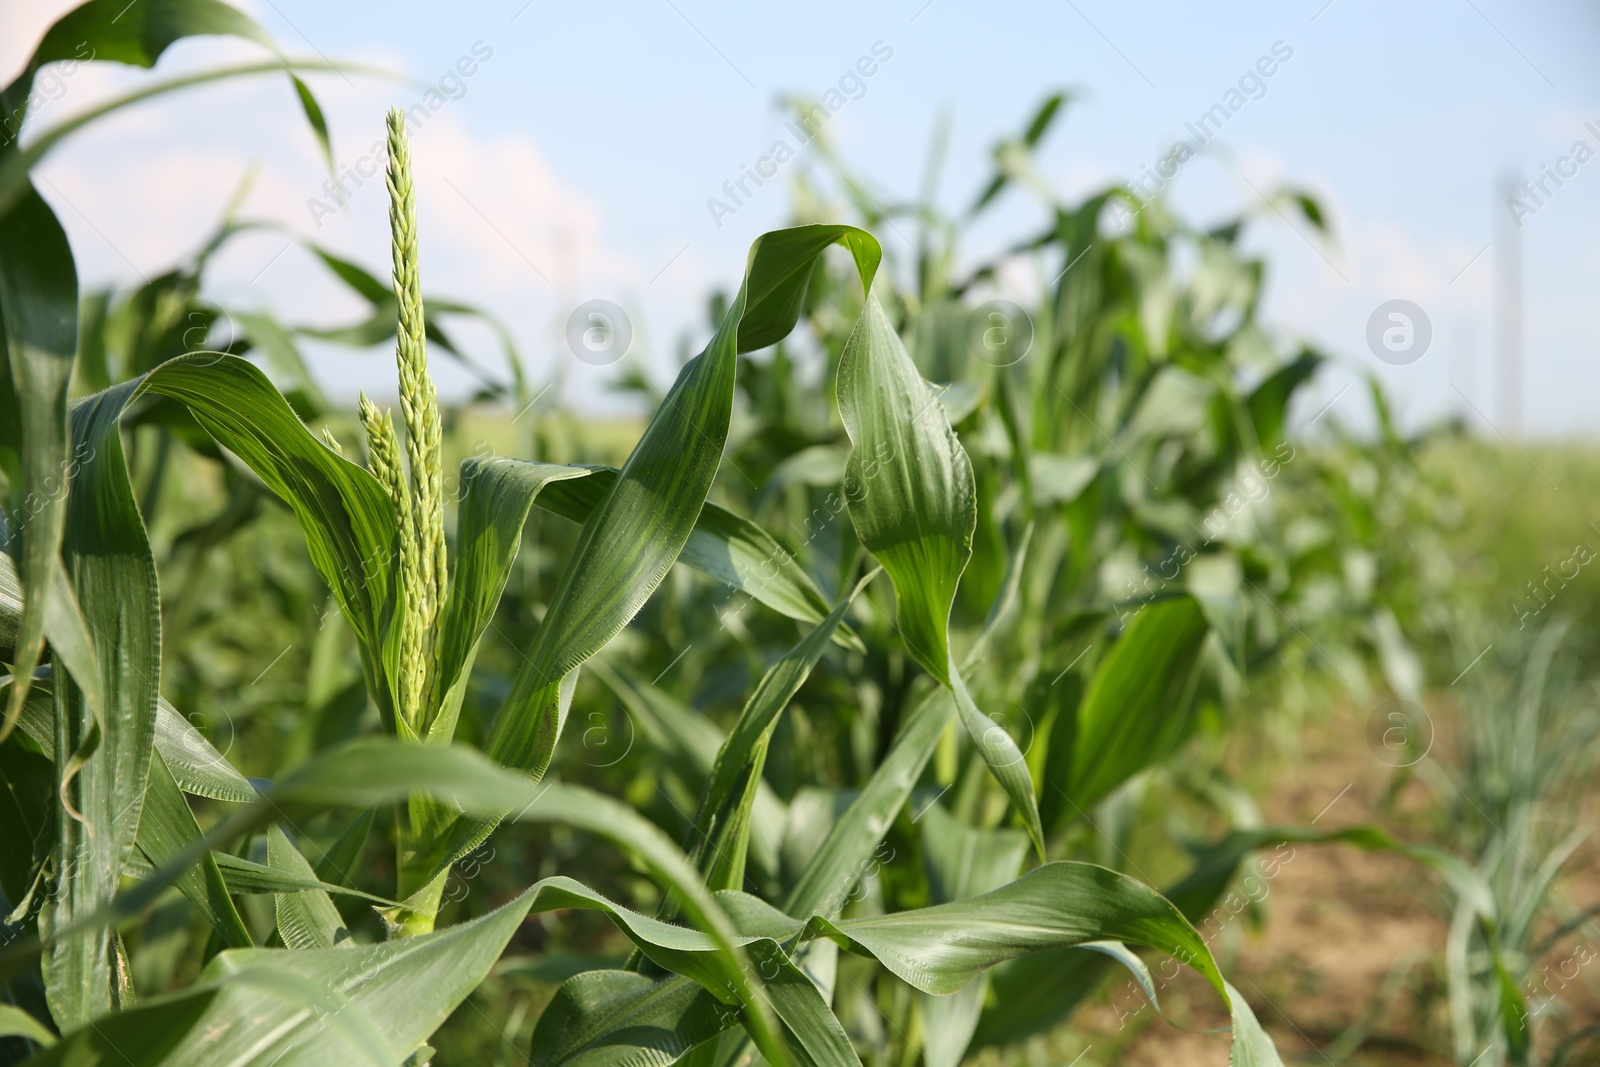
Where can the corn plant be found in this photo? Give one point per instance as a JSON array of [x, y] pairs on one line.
[[1508, 801], [1127, 436], [98, 765]]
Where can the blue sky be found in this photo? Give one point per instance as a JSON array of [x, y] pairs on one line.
[[578, 162]]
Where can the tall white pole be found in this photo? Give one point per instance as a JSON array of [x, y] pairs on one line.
[[1508, 309]]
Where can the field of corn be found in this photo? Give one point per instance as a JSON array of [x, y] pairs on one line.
[[924, 679]]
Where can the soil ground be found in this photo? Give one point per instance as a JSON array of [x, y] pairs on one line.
[[1342, 963]]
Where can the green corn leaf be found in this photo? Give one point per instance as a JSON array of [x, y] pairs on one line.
[[105, 722], [1137, 708], [135, 34], [846, 852], [247, 876], [197, 767], [306, 917], [144, 1034], [106, 699], [393, 994], [938, 950], [39, 314], [166, 828], [496, 494], [14, 1022], [909, 484], [603, 1018], [724, 821], [348, 521], [112, 32], [961, 862], [912, 503], [941, 948], [724, 546], [1037, 992]]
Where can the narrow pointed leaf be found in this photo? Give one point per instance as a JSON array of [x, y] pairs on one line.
[[14, 1022], [962, 862], [845, 853], [606, 1018], [146, 1033], [941, 948], [39, 316], [307, 917], [166, 828], [347, 519], [912, 502], [1136, 711], [105, 722], [247, 876], [724, 821], [496, 494], [725, 546], [197, 767]]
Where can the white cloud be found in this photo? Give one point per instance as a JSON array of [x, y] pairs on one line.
[[141, 190]]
